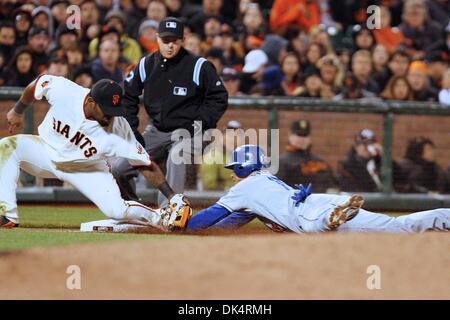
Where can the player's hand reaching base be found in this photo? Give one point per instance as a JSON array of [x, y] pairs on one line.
[[177, 213]]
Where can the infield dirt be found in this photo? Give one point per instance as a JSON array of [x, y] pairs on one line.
[[258, 266]]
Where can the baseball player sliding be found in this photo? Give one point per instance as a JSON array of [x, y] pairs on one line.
[[80, 131], [259, 194]]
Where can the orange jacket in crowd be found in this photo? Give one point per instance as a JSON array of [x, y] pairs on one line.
[[389, 37], [301, 13]]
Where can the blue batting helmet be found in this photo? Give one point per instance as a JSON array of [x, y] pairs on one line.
[[245, 159]]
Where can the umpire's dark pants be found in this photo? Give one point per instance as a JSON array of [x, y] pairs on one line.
[[160, 146]]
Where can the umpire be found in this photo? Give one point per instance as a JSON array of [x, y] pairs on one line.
[[178, 89]]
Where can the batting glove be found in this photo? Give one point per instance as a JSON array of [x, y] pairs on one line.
[[302, 193]]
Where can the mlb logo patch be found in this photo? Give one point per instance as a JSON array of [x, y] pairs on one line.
[[180, 91], [171, 24]]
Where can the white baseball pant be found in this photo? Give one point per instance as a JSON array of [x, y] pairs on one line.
[[28, 152], [314, 214]]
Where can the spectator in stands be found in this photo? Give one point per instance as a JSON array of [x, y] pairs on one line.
[[363, 38], [106, 66], [39, 41], [156, 10], [353, 89], [380, 58], [130, 47], [299, 165], [7, 40], [314, 52], [106, 33], [90, 15], [290, 14], [438, 10], [398, 88], [422, 33], [58, 65], [320, 35], [90, 20], [65, 37], [211, 30], [275, 48], [388, 36], [83, 76], [210, 8], [232, 50], [252, 27], [42, 18], [360, 170], [148, 36], [362, 69], [313, 86], [344, 55], [6, 10], [20, 71], [59, 11], [438, 62], [106, 5], [420, 168], [398, 66], [331, 73], [135, 16], [444, 94], [255, 62], [215, 56], [22, 24], [175, 8], [75, 56], [213, 174], [272, 82], [420, 83], [193, 44], [290, 66], [231, 81]]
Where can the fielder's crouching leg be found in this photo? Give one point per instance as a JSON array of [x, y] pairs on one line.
[[134, 212]]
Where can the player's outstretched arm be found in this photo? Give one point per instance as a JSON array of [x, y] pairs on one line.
[[207, 217], [15, 115], [155, 176]]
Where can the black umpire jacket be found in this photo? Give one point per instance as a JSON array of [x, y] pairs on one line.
[[177, 92]]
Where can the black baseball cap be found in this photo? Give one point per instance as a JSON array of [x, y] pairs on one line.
[[59, 56], [171, 27], [301, 127], [108, 95], [35, 31]]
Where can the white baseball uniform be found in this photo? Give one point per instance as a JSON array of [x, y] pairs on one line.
[[72, 148], [265, 195]]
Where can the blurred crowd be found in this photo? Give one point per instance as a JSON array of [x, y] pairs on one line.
[[306, 48], [359, 170]]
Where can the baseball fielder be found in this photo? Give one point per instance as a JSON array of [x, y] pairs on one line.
[[283, 208], [80, 131]]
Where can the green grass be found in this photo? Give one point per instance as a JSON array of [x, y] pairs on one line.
[[60, 218], [54, 217]]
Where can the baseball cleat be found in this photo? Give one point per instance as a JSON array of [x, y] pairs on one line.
[[345, 212], [8, 223]]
